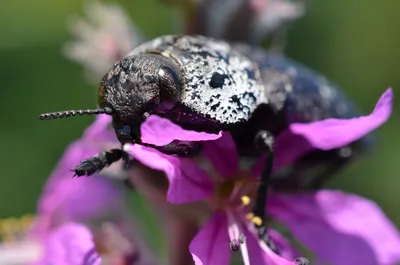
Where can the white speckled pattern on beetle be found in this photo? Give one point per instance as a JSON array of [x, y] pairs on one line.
[[219, 80]]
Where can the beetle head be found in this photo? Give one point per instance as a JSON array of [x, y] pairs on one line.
[[136, 87], [133, 89]]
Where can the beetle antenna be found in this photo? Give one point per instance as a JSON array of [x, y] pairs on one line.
[[69, 113]]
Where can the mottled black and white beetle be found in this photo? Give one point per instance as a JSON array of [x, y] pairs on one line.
[[208, 85]]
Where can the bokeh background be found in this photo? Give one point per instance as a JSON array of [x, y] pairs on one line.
[[354, 43]]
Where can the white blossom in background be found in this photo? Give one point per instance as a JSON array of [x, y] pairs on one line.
[[272, 14], [103, 36], [249, 21], [20, 253]]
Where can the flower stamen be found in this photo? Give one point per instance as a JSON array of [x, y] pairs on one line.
[[254, 219], [234, 245], [301, 261], [245, 200], [241, 239]]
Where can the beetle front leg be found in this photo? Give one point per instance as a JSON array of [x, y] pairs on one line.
[[187, 149], [96, 163], [265, 141]]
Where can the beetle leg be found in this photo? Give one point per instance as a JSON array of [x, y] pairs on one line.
[[96, 163], [265, 141], [187, 149]]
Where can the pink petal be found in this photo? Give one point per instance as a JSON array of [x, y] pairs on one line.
[[259, 253], [188, 182], [160, 131], [222, 154], [100, 129], [68, 245], [78, 199], [286, 250], [342, 229], [211, 244], [288, 148], [328, 134], [334, 133]]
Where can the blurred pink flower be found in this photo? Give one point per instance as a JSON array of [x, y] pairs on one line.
[[70, 244], [97, 201], [224, 185], [84, 199]]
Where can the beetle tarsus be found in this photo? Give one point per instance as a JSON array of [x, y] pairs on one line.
[[96, 163]]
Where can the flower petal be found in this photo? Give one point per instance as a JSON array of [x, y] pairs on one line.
[[334, 133], [286, 250], [259, 253], [211, 244], [100, 129], [78, 199], [328, 134], [160, 131], [222, 154], [69, 244], [188, 182], [288, 148], [342, 229]]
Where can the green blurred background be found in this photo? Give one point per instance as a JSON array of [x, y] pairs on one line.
[[354, 43]]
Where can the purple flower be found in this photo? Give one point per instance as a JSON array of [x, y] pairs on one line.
[[70, 244], [82, 199], [189, 183], [229, 191], [339, 228], [97, 201]]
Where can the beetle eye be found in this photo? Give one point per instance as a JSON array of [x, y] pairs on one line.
[[169, 87]]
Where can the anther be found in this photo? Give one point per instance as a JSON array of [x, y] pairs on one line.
[[245, 200], [241, 239], [254, 219], [257, 221], [302, 261], [234, 245], [249, 216]]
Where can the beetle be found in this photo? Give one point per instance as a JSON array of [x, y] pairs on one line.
[[209, 85]]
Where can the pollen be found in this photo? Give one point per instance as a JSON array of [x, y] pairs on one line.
[[249, 216], [245, 200], [257, 220], [254, 219]]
